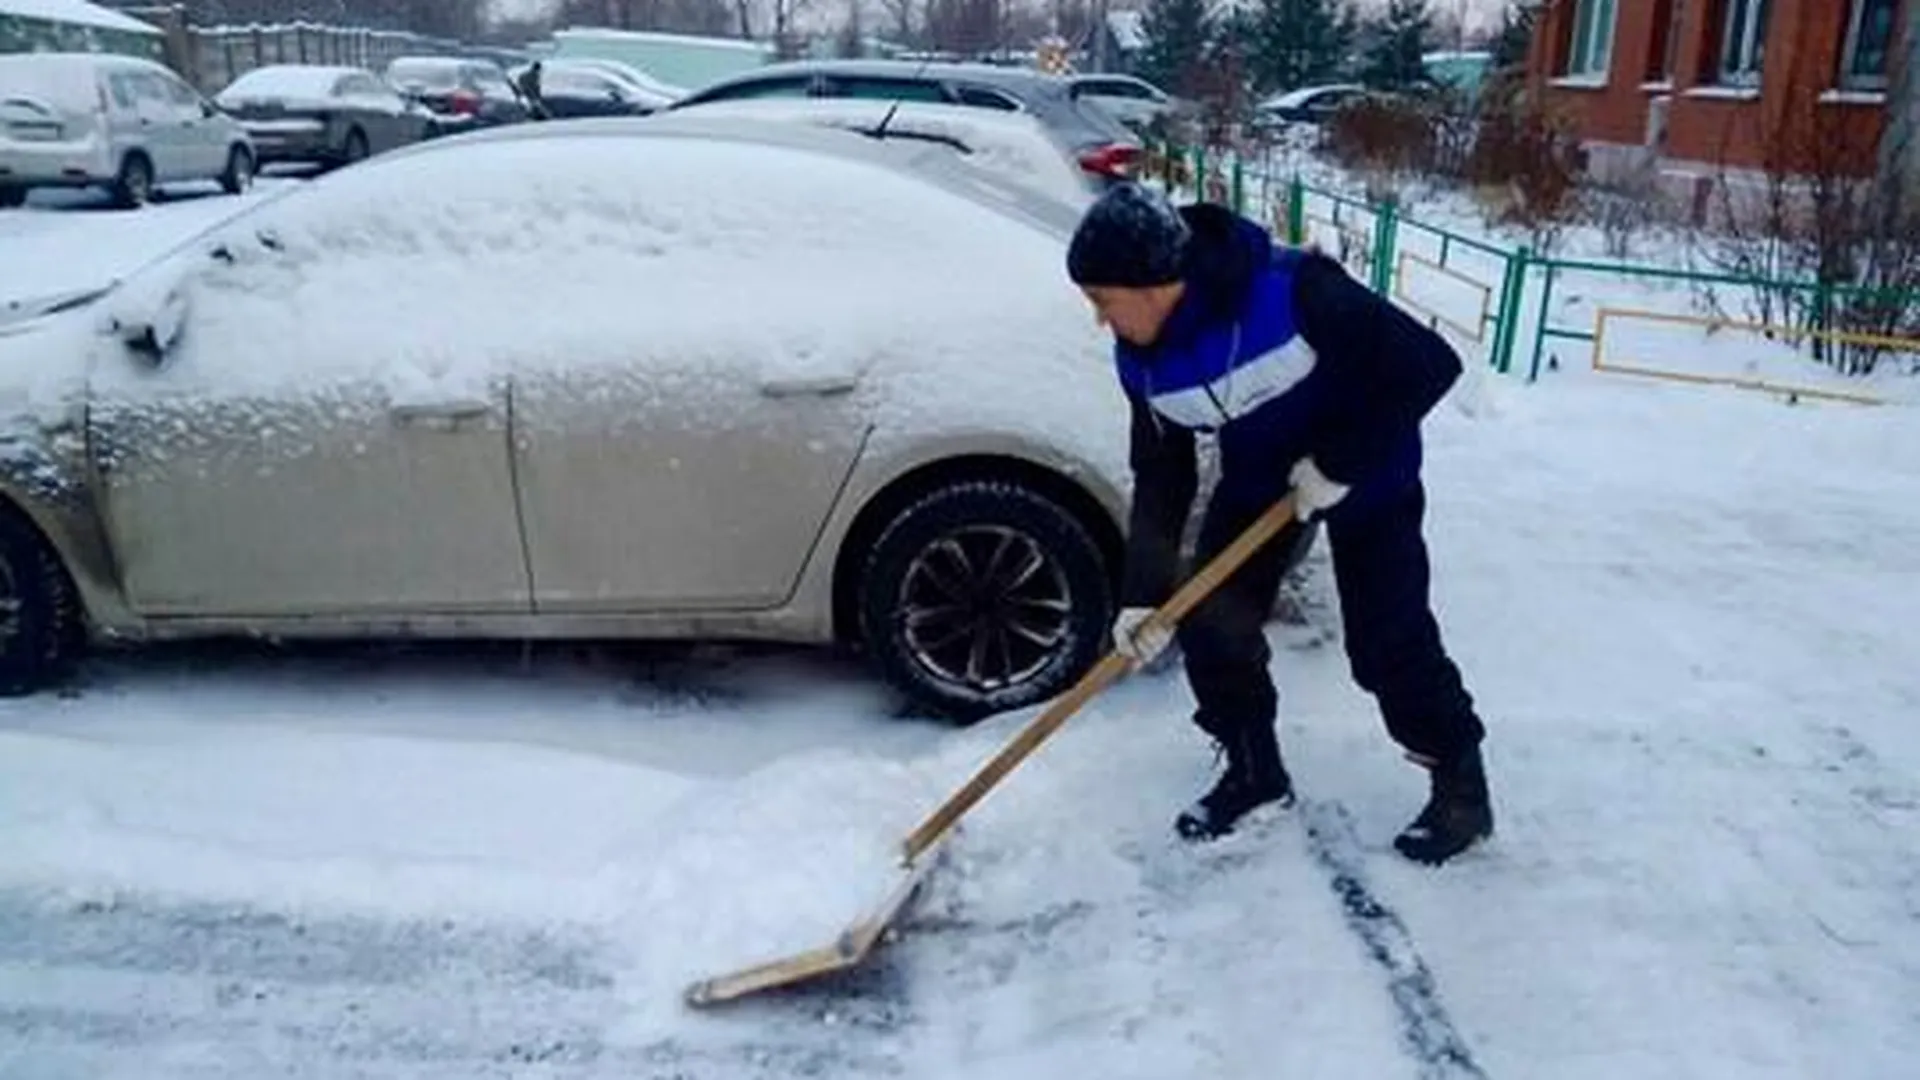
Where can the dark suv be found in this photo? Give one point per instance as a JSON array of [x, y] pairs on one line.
[[1099, 143]]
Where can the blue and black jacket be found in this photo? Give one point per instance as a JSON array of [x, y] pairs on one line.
[[1281, 355]]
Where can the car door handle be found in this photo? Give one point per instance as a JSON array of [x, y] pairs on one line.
[[809, 386]]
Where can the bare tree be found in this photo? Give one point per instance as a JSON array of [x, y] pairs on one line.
[[905, 19], [852, 40], [1828, 248], [966, 27]]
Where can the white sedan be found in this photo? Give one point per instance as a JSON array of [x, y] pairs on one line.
[[670, 378]]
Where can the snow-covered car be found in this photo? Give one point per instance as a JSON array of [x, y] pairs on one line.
[[599, 379], [1306, 104], [572, 88], [321, 114], [118, 122], [460, 94], [1012, 143]]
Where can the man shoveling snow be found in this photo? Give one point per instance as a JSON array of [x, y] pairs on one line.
[[1310, 382]]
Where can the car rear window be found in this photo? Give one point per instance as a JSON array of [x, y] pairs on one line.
[[60, 83], [983, 98], [883, 89], [785, 87]]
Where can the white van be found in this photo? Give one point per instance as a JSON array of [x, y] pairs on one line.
[[98, 119]]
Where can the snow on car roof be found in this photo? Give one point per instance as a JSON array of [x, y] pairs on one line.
[[289, 81], [442, 268], [79, 13]]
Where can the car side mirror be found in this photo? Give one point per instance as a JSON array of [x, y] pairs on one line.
[[148, 315], [209, 110]]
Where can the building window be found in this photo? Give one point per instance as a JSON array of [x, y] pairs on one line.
[[1863, 65], [1743, 41], [1592, 45], [1664, 47]]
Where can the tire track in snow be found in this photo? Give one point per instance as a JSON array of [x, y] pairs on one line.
[[1427, 1029]]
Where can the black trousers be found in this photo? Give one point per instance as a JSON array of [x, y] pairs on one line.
[[1393, 642]]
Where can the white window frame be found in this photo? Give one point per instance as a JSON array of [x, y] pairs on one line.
[[1590, 48], [1742, 62], [1848, 79]]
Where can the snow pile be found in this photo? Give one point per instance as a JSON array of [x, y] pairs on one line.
[[692, 877]]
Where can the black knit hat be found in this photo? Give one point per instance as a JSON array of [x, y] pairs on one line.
[[1131, 236]]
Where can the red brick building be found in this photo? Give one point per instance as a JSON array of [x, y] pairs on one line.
[[1712, 86]]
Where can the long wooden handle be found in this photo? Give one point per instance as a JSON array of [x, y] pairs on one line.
[[1110, 668]]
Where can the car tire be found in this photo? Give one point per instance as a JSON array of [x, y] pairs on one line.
[[133, 185], [11, 197], [932, 572], [355, 148], [239, 175], [41, 631]]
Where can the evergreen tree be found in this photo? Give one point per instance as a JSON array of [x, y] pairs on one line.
[[1178, 34], [1514, 39], [1392, 59], [1297, 43]]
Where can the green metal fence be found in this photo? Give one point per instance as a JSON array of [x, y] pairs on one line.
[[1379, 243]]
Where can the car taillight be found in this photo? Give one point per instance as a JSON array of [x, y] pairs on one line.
[[1115, 160], [464, 102]]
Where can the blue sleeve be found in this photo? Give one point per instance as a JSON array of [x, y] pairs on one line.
[[1385, 371]]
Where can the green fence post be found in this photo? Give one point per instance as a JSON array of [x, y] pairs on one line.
[[1386, 227], [1199, 172], [1512, 292], [1296, 211], [1239, 185], [1540, 332], [1825, 349]]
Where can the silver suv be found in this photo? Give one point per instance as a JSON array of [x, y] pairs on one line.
[[97, 119]]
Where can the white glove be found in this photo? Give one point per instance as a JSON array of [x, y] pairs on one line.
[[1138, 640], [1313, 493]]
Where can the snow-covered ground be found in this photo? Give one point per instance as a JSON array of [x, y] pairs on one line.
[[1686, 612]]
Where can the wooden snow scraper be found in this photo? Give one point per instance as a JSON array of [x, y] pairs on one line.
[[922, 849]]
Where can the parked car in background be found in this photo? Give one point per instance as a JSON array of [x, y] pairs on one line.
[[568, 90], [105, 120], [1099, 144], [460, 94], [1133, 101], [321, 115], [905, 438], [1013, 144], [1306, 105], [624, 71]]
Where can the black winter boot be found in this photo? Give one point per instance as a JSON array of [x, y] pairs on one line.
[[1458, 814], [1254, 777]]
